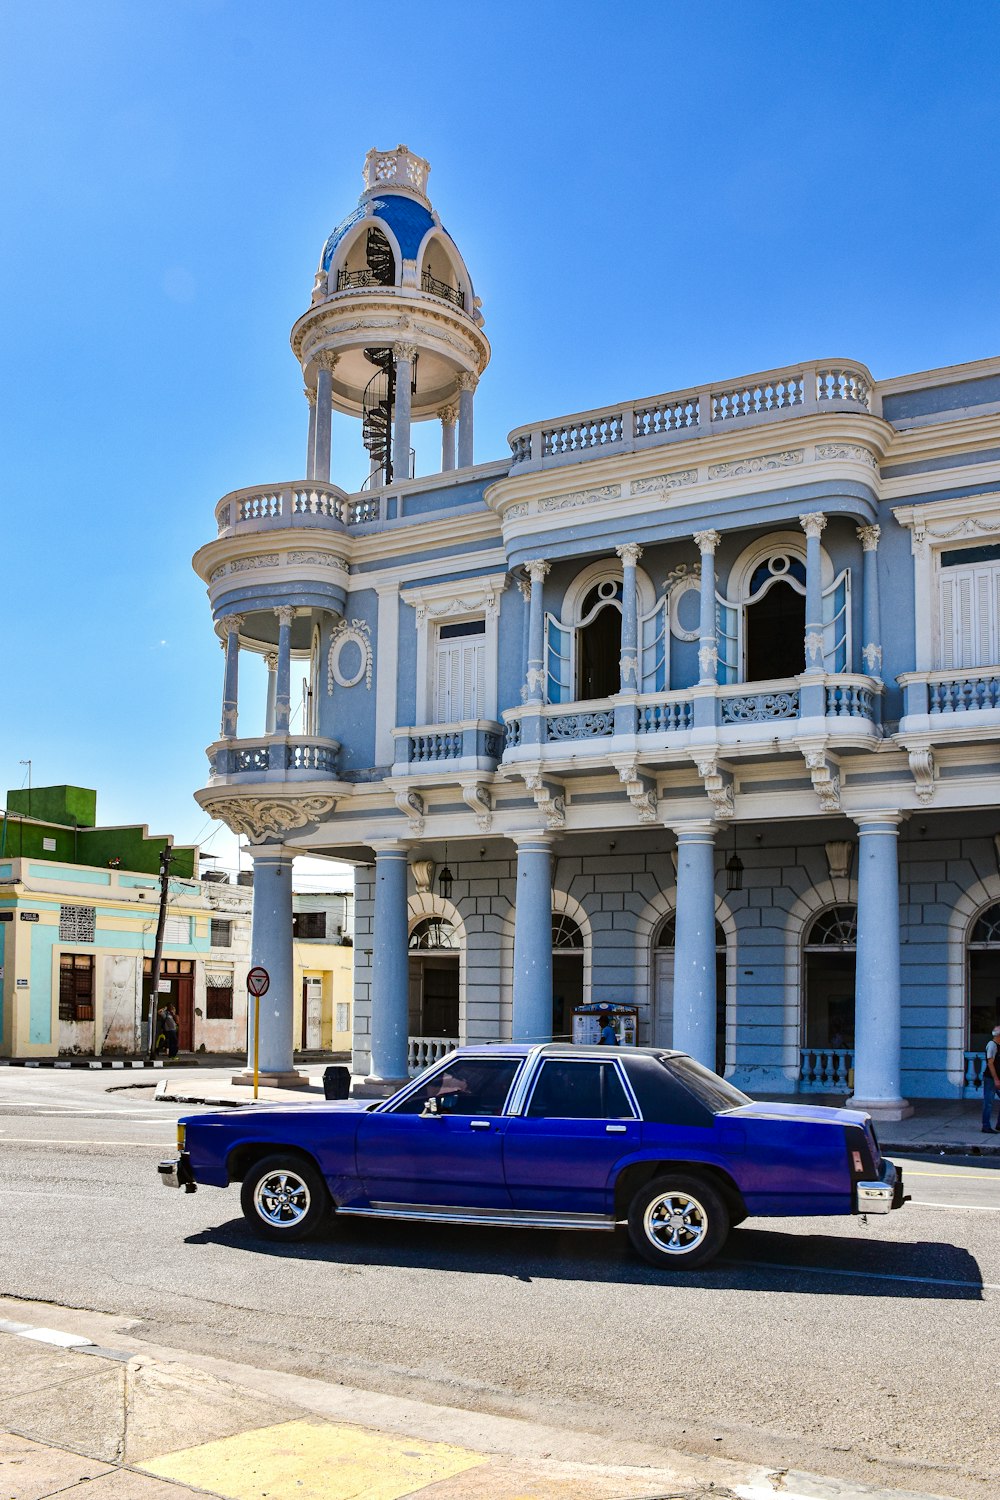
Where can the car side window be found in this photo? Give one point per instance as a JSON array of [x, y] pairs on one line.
[[468, 1086], [568, 1090]]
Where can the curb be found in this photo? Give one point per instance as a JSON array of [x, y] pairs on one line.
[[943, 1148]]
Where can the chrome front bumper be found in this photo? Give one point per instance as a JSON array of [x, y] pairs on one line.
[[884, 1195], [176, 1172]]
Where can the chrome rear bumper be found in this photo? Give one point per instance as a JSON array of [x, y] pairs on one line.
[[883, 1195]]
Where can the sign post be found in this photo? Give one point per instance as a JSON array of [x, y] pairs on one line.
[[257, 982]]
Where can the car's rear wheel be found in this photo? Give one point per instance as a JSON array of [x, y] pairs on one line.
[[284, 1198], [678, 1221]]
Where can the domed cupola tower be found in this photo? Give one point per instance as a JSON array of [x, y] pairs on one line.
[[394, 332]]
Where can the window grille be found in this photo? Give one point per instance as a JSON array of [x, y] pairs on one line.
[[222, 933], [343, 1020], [76, 924], [433, 932], [565, 932], [219, 1002], [986, 932], [835, 928], [309, 924], [76, 986]]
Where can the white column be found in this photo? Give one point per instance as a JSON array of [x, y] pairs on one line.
[[448, 416], [871, 632], [708, 639], [813, 524], [390, 968], [536, 571], [310, 396], [404, 355], [283, 682], [878, 1013], [466, 390], [271, 949], [230, 692], [271, 659], [630, 554], [532, 994], [327, 362], [694, 944]]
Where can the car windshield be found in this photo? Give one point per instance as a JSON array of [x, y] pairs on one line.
[[714, 1092], [468, 1086]]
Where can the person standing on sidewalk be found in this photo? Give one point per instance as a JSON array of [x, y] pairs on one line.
[[170, 1031], [991, 1080]]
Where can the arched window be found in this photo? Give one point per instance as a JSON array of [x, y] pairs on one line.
[[983, 987], [761, 622], [583, 644], [663, 988], [830, 951], [433, 933], [567, 974], [775, 616], [369, 262]]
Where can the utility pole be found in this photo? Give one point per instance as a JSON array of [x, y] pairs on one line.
[[166, 855]]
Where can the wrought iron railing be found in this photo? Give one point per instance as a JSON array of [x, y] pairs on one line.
[[365, 277], [430, 283]]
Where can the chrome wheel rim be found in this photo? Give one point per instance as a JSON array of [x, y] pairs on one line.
[[675, 1223], [282, 1199]]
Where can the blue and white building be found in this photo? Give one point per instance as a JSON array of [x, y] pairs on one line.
[[691, 700]]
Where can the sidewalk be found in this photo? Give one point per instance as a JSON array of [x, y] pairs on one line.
[[936, 1125], [83, 1403]]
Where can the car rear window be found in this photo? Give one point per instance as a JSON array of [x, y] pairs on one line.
[[714, 1092], [662, 1098], [578, 1091]]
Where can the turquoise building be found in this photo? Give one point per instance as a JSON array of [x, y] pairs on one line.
[[689, 701]]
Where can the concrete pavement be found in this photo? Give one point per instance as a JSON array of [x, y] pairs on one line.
[[951, 1126], [87, 1409]]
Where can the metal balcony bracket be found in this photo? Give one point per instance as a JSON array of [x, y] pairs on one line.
[[411, 805], [923, 770], [550, 798], [641, 789], [477, 797], [824, 772], [718, 780]]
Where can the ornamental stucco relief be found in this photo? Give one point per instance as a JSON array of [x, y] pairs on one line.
[[260, 818], [765, 464], [357, 633]]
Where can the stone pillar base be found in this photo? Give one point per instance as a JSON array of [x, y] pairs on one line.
[[291, 1080], [377, 1088], [882, 1109]]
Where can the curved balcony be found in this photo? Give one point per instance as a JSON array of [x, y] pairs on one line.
[[305, 503], [773, 396], [275, 757]]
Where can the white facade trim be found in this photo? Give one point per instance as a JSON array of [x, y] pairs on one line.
[[386, 669]]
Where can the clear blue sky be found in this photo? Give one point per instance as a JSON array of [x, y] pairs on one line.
[[648, 196]]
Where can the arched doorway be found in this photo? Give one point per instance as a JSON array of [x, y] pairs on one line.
[[567, 974], [599, 642], [982, 991], [663, 989], [435, 958], [829, 962], [775, 619]]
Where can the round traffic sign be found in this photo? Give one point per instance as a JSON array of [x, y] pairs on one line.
[[258, 980]]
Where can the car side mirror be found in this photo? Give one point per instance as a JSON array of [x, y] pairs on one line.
[[430, 1109]]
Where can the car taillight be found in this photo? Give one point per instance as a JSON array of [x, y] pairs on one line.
[[181, 1134], [859, 1150]]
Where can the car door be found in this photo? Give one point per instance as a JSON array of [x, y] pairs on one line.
[[560, 1154], [441, 1146]]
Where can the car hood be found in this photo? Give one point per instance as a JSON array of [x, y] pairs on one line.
[[809, 1114], [310, 1106]]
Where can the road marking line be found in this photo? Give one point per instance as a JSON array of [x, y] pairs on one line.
[[978, 1175], [984, 1208], [54, 1140], [774, 1265], [45, 1335]]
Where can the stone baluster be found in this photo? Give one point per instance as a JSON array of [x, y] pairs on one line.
[[871, 650], [878, 1015], [390, 967], [448, 416], [231, 686], [283, 679], [466, 390], [532, 996], [404, 355], [694, 944]]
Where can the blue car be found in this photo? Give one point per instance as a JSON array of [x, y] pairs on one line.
[[550, 1137]]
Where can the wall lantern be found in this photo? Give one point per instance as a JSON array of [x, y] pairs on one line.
[[734, 872], [445, 878]]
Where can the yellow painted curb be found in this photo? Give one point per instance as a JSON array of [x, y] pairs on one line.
[[314, 1461]]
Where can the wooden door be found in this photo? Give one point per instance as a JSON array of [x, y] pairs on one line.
[[184, 1001], [663, 999]]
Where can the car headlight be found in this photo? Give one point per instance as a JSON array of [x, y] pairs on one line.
[[181, 1134]]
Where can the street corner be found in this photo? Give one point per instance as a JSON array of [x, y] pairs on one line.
[[317, 1460], [174, 1408]]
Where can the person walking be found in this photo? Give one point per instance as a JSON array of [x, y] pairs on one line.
[[171, 1031], [991, 1081]]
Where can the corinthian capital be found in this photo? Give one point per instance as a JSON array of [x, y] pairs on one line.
[[327, 359], [231, 624], [310, 394], [405, 352], [868, 536], [813, 523], [448, 415], [286, 614], [707, 541], [536, 570], [630, 553], [467, 381]]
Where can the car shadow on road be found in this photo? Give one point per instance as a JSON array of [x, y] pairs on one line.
[[763, 1260]]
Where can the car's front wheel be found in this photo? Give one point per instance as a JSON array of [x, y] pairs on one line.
[[678, 1221], [284, 1198]]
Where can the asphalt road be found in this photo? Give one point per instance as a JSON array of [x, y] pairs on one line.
[[865, 1352]]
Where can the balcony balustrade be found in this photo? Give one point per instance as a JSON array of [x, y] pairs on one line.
[[770, 397], [470, 744], [276, 758], [421, 1051], [825, 1070], [429, 283], [953, 699], [304, 503], [975, 1065]]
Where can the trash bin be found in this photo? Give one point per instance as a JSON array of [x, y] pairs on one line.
[[336, 1082]]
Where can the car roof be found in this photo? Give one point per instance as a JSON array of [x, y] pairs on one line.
[[558, 1049]]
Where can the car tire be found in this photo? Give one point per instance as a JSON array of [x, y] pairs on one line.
[[284, 1197], [678, 1221]]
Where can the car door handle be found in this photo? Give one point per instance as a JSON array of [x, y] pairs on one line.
[[616, 1129], [479, 1124]]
